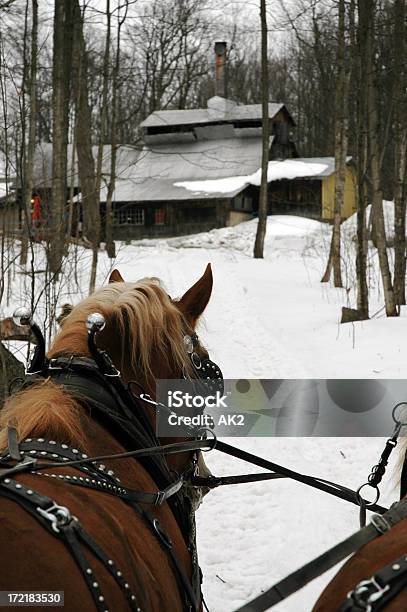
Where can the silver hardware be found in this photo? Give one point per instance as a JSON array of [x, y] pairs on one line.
[[57, 515], [189, 345], [361, 593], [196, 361], [22, 316], [95, 322]]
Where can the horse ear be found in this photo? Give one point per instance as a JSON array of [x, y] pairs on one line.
[[194, 301], [116, 277]]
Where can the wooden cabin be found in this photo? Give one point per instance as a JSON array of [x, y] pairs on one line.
[[221, 141], [310, 190]]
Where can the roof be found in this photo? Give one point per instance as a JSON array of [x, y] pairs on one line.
[[300, 170], [151, 174], [126, 158], [219, 109], [286, 169], [163, 190]]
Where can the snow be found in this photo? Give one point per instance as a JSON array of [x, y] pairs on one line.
[[350, 225], [269, 318], [277, 170]]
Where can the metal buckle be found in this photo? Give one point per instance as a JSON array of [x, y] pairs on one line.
[[380, 522], [145, 397], [361, 596], [116, 374], [55, 364], [57, 515], [160, 497]]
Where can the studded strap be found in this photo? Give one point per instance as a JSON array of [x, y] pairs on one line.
[[376, 592], [60, 523], [96, 475]]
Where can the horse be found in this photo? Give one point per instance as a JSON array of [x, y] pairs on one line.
[[119, 554], [383, 559]]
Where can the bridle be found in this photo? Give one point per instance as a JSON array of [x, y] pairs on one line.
[[206, 370]]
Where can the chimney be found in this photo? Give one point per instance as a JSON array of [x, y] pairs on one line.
[[220, 69]]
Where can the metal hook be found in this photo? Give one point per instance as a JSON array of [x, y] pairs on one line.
[[22, 317], [95, 323]]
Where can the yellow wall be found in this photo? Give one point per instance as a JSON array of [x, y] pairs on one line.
[[236, 217], [328, 195]]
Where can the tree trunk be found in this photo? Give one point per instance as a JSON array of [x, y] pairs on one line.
[[341, 142], [86, 164], [400, 150], [375, 169], [61, 71], [103, 110], [29, 166], [28, 158], [361, 162], [263, 199], [110, 244]]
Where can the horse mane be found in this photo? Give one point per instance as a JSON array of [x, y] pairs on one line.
[[143, 325], [43, 408], [141, 319]]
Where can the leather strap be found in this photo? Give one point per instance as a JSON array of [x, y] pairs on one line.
[[376, 592], [317, 483], [298, 579]]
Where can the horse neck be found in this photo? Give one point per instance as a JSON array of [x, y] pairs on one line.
[[47, 411]]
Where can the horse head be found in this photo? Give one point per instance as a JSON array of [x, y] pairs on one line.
[[144, 334]]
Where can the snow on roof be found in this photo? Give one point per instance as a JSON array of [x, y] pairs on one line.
[[186, 170], [219, 109], [126, 159], [306, 167], [160, 168]]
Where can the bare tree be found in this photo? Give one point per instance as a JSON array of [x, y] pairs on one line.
[[86, 163], [400, 150], [104, 104], [360, 59], [61, 72], [110, 245], [31, 141], [374, 158], [341, 145], [263, 199]]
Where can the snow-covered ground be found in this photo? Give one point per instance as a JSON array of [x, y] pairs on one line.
[[270, 318]]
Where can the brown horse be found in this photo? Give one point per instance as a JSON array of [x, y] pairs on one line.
[[144, 338], [384, 552]]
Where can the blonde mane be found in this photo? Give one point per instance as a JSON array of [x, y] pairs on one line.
[[141, 319], [143, 329]]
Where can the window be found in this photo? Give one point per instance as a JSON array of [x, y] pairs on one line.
[[159, 216], [132, 215], [247, 203], [243, 203], [239, 202]]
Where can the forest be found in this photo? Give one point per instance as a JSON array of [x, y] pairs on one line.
[[87, 74]]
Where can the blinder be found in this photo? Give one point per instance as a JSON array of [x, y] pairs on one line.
[[205, 369]]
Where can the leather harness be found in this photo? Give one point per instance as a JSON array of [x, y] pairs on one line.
[[96, 384]]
